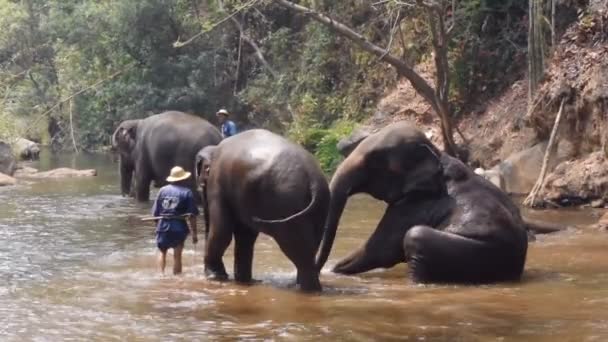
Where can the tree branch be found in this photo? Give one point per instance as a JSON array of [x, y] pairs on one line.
[[258, 52], [33, 124], [403, 69], [179, 44]]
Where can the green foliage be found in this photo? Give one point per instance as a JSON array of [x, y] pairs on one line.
[[318, 84], [8, 129], [487, 49], [322, 142]]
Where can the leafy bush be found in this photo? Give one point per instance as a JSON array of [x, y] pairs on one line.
[[322, 142]]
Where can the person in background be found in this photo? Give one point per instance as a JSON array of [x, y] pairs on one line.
[[228, 128], [173, 209]]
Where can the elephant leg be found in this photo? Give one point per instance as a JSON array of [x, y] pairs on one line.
[[443, 257], [244, 241], [383, 249], [142, 183], [300, 249], [220, 236]]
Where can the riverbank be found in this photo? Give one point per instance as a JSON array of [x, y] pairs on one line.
[[501, 127]]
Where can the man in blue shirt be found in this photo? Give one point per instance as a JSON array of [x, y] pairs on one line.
[[228, 128], [175, 208]]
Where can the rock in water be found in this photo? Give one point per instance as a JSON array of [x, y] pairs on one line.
[[493, 176], [7, 180], [578, 182], [25, 171], [8, 164], [62, 172], [26, 149], [520, 170]]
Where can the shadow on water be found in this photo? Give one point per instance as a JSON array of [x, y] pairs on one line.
[[77, 263]]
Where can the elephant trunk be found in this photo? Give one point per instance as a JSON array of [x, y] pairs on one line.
[[348, 175], [205, 208], [201, 173], [126, 169]]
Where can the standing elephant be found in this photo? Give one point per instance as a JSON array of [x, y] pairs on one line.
[[254, 182], [150, 147], [450, 224]]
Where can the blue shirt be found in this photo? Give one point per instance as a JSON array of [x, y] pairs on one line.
[[174, 200], [228, 129]]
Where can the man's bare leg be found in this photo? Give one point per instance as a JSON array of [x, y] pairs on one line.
[[162, 261], [177, 259]]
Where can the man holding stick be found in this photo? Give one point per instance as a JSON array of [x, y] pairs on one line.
[[173, 210]]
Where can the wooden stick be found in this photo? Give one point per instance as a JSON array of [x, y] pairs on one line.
[[153, 218], [540, 182]]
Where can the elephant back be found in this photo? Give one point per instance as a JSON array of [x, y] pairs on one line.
[[173, 138]]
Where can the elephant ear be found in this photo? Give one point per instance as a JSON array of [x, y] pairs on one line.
[[421, 166], [131, 131], [405, 159]]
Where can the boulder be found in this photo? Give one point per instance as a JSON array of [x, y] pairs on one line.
[[493, 176], [577, 182], [518, 173], [26, 149], [7, 180], [8, 164], [62, 173]]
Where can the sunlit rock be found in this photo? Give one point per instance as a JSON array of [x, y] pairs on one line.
[[7, 180]]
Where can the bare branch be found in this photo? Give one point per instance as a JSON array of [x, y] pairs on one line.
[[92, 86], [394, 28], [243, 37], [451, 28], [179, 44], [258, 52], [404, 69]]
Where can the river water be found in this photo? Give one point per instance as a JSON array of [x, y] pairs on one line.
[[77, 264]]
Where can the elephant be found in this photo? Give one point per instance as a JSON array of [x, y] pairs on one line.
[[448, 223], [150, 147], [255, 182]]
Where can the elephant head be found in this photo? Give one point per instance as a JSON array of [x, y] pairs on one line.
[[202, 166], [123, 142], [394, 164]]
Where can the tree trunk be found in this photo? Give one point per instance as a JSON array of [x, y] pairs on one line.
[[536, 47]]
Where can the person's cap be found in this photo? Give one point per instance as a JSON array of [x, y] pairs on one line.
[[222, 112], [178, 174]]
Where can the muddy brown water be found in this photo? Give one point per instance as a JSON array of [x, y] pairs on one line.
[[77, 264]]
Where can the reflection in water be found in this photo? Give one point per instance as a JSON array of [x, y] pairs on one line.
[[77, 262]]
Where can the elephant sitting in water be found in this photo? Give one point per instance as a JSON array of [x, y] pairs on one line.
[[448, 223], [254, 182], [150, 147]]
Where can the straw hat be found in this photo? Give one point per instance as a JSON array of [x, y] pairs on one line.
[[222, 112], [177, 174]]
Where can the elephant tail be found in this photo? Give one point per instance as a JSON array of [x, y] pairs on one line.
[[541, 227], [313, 201]]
